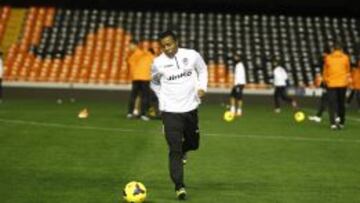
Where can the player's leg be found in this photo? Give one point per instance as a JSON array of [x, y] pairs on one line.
[[239, 100], [332, 101], [323, 104], [285, 97], [350, 97], [173, 124], [191, 132], [358, 98], [137, 105], [341, 96], [134, 92], [277, 99], [233, 100], [145, 94]]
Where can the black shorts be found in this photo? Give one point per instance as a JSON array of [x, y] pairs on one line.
[[182, 130], [237, 91]]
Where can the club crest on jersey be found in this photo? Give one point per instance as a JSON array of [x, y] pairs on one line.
[[185, 61]]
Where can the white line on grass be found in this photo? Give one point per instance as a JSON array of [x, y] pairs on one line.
[[248, 136], [353, 118], [59, 125], [287, 138]]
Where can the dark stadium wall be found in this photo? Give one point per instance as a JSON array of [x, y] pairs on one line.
[[290, 7], [11, 93]]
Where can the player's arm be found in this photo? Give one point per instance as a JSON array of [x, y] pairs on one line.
[[286, 77], [242, 71], [2, 68], [202, 72], [155, 79], [325, 72], [348, 70]]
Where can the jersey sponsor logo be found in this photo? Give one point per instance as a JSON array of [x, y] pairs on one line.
[[181, 75]]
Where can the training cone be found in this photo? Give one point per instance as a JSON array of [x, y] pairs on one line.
[[83, 113]]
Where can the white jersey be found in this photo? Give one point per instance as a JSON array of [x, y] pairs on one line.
[[280, 77], [239, 73], [1, 68], [177, 80]]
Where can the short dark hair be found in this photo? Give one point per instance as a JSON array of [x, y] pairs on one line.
[[326, 50], [151, 50], [238, 58], [167, 33], [338, 45], [276, 62]]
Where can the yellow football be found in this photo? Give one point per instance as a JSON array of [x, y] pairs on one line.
[[229, 116], [134, 192], [299, 116]]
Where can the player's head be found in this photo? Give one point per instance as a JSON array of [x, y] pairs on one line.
[[337, 46], [133, 45], [145, 44], [168, 43], [151, 50], [326, 51], [237, 58], [276, 63], [318, 75]]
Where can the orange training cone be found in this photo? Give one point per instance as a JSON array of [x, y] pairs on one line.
[[83, 113]]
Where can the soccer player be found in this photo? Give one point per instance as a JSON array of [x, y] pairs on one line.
[[1, 75], [355, 90], [179, 79], [140, 70], [280, 83], [236, 93], [336, 75], [323, 103]]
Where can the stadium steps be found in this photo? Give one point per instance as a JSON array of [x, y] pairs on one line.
[[13, 28], [4, 17]]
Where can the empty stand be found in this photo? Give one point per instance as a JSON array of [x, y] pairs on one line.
[[91, 45]]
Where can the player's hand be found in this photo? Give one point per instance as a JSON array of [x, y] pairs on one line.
[[201, 93], [350, 80]]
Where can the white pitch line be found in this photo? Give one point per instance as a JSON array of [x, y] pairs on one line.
[[59, 125], [248, 136], [287, 138], [353, 119]]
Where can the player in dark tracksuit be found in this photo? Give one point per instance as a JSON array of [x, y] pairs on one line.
[[179, 79], [336, 75], [280, 83], [323, 104]]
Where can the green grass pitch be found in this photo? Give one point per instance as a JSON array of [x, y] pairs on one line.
[[49, 155]]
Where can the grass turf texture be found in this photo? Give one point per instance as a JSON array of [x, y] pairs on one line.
[[47, 154]]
